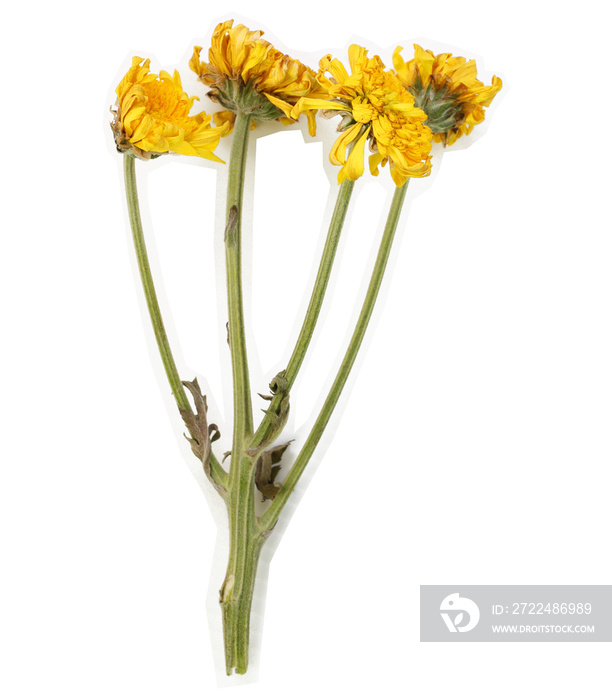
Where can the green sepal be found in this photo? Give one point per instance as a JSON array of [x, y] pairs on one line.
[[237, 96], [440, 105]]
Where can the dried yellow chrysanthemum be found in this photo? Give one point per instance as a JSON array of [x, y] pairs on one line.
[[446, 88], [151, 117], [375, 107], [247, 74]]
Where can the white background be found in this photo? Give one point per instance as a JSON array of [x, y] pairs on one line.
[[473, 446]]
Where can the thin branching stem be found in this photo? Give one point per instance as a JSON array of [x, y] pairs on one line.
[[270, 517]]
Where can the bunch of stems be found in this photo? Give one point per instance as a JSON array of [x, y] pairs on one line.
[[237, 486]]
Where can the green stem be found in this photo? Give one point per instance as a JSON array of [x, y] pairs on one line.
[[144, 267], [246, 539], [147, 284], [321, 282], [243, 416], [264, 434], [236, 593], [270, 517]]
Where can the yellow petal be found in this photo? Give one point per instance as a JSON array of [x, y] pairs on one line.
[[425, 61], [337, 155], [306, 103], [335, 67], [354, 167], [284, 106], [374, 161], [400, 66], [312, 123], [356, 54]]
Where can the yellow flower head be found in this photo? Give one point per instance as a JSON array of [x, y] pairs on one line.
[[375, 107], [447, 89], [151, 117], [248, 74]]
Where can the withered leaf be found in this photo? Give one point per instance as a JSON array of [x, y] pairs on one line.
[[201, 433], [277, 412], [267, 468]]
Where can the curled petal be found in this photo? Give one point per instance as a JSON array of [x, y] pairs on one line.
[[354, 167], [337, 155]]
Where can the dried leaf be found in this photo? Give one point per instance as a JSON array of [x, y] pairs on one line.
[[278, 411], [267, 468], [202, 435]]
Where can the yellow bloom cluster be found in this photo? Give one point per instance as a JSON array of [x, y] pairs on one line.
[[247, 73], [151, 116], [446, 87], [397, 112]]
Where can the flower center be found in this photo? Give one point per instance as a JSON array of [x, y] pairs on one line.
[[165, 102]]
